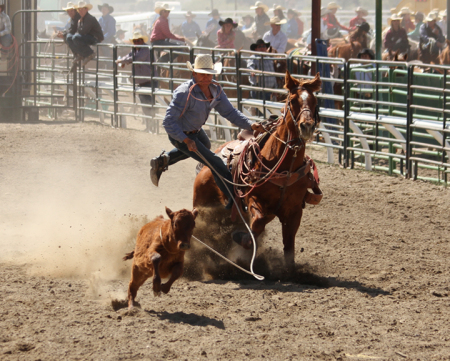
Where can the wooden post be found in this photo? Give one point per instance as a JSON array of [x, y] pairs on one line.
[[315, 29]]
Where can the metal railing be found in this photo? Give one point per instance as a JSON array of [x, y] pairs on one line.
[[378, 115]]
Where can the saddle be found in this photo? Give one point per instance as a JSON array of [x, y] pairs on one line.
[[238, 151]]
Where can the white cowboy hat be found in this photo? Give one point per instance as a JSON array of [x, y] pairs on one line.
[[259, 5], [70, 6], [332, 5], [324, 11], [160, 7], [138, 35], [84, 4], [443, 13], [359, 9], [276, 21], [405, 11], [432, 17], [203, 64], [395, 17]]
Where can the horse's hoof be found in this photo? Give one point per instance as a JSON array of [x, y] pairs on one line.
[[243, 239], [157, 294]]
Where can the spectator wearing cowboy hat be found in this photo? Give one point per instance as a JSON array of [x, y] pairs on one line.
[[142, 73], [275, 36], [261, 19], [292, 25], [212, 25], [107, 22], [72, 24], [161, 33], [396, 38], [333, 24], [406, 22], [89, 32], [226, 34], [248, 21], [430, 30], [255, 62], [189, 109], [359, 18], [418, 19], [5, 28], [189, 27]]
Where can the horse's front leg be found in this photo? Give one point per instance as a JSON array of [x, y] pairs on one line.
[[290, 225], [258, 223]]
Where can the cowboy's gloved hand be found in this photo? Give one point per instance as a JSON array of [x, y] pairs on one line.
[[190, 144], [258, 128]]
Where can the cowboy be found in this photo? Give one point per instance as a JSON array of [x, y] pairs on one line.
[[72, 24], [418, 19], [333, 24], [212, 25], [107, 22], [89, 32], [255, 62], [278, 11], [120, 36], [359, 18], [5, 28], [292, 25], [142, 72], [406, 22], [275, 36], [161, 32], [189, 109], [189, 27], [261, 18], [430, 30], [396, 38], [360, 35]]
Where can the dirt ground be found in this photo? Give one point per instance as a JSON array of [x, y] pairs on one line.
[[373, 279]]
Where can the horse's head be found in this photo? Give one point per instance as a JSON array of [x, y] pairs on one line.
[[301, 104]]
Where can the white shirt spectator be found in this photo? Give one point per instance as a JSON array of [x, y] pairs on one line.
[[278, 42]]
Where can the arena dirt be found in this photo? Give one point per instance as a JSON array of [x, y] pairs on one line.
[[372, 281]]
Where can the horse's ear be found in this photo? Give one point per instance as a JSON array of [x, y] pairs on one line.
[[289, 81], [405, 57], [312, 85]]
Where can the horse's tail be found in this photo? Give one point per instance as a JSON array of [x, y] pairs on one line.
[[128, 256]]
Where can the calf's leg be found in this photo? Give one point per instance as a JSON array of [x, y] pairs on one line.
[[177, 271], [137, 280], [156, 260]]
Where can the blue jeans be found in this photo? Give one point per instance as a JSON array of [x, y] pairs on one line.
[[80, 44], [181, 152], [6, 40]]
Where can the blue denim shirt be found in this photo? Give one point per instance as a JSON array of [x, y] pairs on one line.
[[108, 24], [196, 112]]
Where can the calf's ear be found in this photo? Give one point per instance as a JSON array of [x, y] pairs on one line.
[[195, 212], [169, 212]]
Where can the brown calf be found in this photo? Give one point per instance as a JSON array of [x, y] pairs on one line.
[[159, 251]]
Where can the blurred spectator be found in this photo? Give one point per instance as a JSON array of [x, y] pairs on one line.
[[120, 36], [108, 23], [396, 38], [248, 22], [5, 29], [443, 22], [142, 73], [406, 22], [189, 27], [415, 35], [359, 18], [72, 24], [431, 34], [261, 18], [292, 26], [213, 25], [333, 24], [275, 36], [226, 34], [278, 11]]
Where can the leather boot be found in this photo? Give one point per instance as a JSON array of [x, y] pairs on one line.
[[158, 165]]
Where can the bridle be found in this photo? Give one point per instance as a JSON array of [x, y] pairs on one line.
[[303, 109]]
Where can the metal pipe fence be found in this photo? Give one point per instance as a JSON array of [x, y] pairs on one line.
[[379, 115]]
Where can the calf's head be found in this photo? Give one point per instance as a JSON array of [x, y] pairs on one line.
[[182, 225]]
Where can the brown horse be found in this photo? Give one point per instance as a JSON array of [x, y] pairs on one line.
[[280, 172]]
